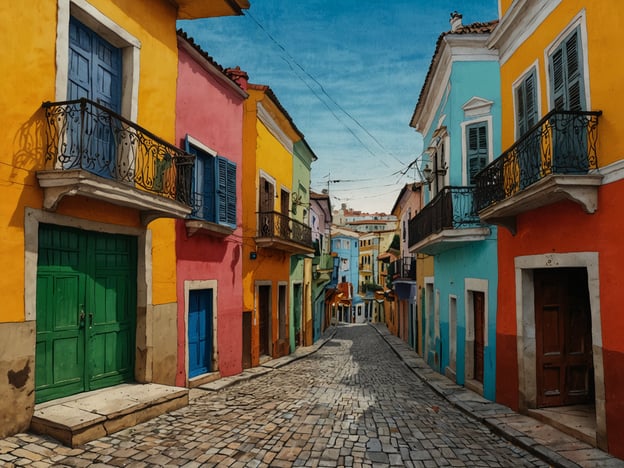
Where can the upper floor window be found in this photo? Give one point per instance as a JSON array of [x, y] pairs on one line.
[[565, 66], [526, 103], [214, 187], [477, 151]]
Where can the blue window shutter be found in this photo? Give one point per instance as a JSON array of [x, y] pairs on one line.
[[477, 151], [203, 185], [231, 193], [226, 192]]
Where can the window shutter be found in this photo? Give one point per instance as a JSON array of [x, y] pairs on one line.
[[477, 152], [231, 193], [526, 104], [226, 192], [566, 75]]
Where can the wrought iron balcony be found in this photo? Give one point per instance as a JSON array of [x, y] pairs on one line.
[[278, 231], [554, 160], [448, 220], [93, 151], [403, 269]]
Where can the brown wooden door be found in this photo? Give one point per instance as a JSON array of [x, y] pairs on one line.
[[563, 337], [246, 339], [478, 300], [264, 310]]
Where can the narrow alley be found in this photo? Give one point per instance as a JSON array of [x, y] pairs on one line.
[[351, 403]]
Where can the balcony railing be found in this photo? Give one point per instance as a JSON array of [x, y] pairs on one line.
[[275, 225], [403, 268], [563, 142], [85, 135], [452, 208]]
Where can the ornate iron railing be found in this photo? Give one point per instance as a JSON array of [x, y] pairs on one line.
[[403, 268], [563, 142], [451, 208], [83, 134], [274, 224]]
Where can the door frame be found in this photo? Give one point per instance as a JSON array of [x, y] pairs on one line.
[[475, 285], [193, 285], [256, 317], [525, 328], [32, 219]]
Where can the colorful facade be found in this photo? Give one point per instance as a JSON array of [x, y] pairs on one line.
[[209, 125], [271, 234], [92, 182], [557, 190], [323, 262], [301, 264], [458, 114], [402, 269]]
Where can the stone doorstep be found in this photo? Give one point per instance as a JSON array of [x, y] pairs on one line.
[[88, 416]]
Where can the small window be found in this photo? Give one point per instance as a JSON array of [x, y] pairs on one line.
[[566, 74], [526, 104], [214, 187], [477, 151]]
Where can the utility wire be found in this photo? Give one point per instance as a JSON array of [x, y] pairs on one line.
[[324, 91]]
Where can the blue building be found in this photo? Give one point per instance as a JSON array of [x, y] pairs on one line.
[[345, 245], [458, 113]]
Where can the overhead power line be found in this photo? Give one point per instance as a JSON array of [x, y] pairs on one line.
[[325, 93]]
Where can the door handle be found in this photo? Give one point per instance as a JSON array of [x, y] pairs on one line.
[[91, 320], [81, 317]]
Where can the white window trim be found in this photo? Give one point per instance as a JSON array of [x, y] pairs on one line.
[[198, 144], [534, 67], [464, 144], [193, 285], [105, 27], [579, 21]]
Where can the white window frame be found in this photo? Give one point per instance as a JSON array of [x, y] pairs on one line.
[[464, 143], [534, 67], [115, 34]]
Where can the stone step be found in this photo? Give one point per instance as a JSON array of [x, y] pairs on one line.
[[81, 418]]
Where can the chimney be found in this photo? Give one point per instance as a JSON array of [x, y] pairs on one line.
[[239, 76], [456, 21]]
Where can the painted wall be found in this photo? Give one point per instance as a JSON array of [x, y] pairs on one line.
[[211, 112], [31, 53], [262, 152], [563, 227]]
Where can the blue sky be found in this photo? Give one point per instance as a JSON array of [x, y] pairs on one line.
[[349, 72]]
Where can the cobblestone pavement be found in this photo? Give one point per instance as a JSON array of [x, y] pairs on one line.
[[352, 403]]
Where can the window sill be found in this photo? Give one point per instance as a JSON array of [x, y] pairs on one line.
[[197, 226]]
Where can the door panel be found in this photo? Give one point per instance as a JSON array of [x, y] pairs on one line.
[[563, 337], [85, 311], [479, 333], [264, 310], [94, 73], [200, 318]]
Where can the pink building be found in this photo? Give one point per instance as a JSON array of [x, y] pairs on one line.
[[209, 125]]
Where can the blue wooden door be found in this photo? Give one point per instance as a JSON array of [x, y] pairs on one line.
[[94, 73], [200, 332]]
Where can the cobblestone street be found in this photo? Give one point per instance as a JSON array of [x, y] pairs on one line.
[[352, 403]]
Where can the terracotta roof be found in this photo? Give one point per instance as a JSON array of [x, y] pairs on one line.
[[190, 41], [269, 92], [474, 28]]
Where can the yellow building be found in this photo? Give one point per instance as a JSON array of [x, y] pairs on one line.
[[89, 181], [270, 233]]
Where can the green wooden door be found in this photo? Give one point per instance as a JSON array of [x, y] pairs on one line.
[[86, 303]]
